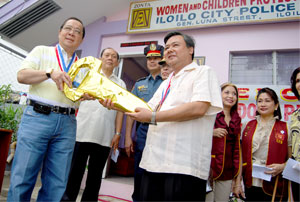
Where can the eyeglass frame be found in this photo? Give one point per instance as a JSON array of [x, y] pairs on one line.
[[68, 29]]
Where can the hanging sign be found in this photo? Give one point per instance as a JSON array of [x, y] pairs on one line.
[[139, 43]]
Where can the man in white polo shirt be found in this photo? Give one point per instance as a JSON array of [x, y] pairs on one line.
[[47, 132], [178, 146], [98, 130]]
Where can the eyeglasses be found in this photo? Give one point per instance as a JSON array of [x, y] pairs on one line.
[[70, 28]]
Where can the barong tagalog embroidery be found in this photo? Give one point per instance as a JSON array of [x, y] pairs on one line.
[[165, 93]]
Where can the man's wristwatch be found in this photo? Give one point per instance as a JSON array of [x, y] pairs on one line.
[[49, 72], [153, 118]]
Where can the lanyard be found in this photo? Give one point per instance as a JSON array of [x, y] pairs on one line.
[[166, 92], [61, 61]]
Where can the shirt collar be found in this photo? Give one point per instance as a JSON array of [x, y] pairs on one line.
[[112, 76], [149, 77], [64, 53], [258, 118], [190, 67]]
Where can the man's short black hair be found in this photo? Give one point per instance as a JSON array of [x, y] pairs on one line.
[[102, 52], [73, 18], [189, 41]]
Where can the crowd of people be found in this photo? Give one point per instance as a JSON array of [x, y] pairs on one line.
[[192, 139]]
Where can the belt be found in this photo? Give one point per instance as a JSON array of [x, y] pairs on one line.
[[46, 109]]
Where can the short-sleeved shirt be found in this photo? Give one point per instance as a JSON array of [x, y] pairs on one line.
[[42, 58], [145, 88], [184, 147], [95, 123]]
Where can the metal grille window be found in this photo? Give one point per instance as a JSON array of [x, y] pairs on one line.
[[269, 68], [286, 63], [10, 62]]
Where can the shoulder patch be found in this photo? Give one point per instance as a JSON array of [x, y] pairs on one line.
[[143, 78]]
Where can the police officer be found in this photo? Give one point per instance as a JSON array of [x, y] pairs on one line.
[[165, 70], [144, 88]]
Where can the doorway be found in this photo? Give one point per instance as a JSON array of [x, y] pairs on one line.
[[131, 69]]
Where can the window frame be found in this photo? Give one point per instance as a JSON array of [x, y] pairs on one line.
[[274, 54]]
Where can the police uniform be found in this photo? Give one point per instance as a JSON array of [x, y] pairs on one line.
[[144, 88]]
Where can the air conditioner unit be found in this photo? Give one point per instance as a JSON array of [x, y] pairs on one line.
[[28, 17]]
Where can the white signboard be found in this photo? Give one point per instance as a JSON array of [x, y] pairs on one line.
[[247, 101], [145, 16]]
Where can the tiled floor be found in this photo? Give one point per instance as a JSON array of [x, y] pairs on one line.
[[117, 186]]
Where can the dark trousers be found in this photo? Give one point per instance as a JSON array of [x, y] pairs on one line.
[[138, 151], [295, 191], [97, 157], [172, 187], [257, 194]]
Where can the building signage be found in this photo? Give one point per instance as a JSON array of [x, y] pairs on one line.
[[247, 101], [139, 43], [145, 16]]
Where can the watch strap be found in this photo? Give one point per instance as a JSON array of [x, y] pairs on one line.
[[49, 72], [153, 118]]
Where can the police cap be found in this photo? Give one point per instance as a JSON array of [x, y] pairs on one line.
[[154, 50], [162, 62]]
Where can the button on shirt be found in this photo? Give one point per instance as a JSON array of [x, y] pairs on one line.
[[146, 87], [95, 123], [184, 147]]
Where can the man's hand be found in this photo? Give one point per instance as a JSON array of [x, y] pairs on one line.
[[60, 78], [86, 96], [220, 132], [115, 142], [107, 103], [141, 115], [128, 146]]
